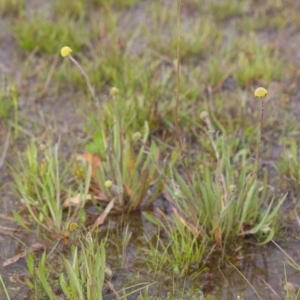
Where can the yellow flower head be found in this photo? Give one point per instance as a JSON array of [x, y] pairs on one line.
[[232, 188], [73, 226], [65, 51], [260, 92], [108, 183], [43, 147], [114, 91], [204, 115], [136, 136]]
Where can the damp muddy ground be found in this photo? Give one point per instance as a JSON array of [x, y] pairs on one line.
[[227, 49]]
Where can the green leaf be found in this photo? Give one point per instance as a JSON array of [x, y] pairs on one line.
[[19, 220], [30, 264], [41, 272], [152, 219]]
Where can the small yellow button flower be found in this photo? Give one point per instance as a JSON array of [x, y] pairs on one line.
[[136, 136], [232, 188], [43, 147], [260, 92], [204, 115], [114, 91], [108, 183], [65, 51], [73, 226]]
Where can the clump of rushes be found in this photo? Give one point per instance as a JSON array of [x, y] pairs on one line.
[[43, 182], [132, 171], [181, 251], [130, 162], [66, 52], [131, 165], [222, 205], [79, 277], [83, 277], [259, 93]]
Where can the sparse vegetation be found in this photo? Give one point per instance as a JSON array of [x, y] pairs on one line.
[[170, 170]]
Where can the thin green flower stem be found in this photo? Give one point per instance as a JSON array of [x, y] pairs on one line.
[[286, 254], [249, 283], [6, 146], [177, 129], [177, 74], [259, 136], [4, 288], [76, 63]]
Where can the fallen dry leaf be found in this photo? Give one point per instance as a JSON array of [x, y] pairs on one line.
[[16, 279], [74, 201], [100, 194], [132, 161], [104, 214], [128, 190], [32, 248], [290, 288], [10, 218], [8, 231], [112, 288], [94, 159]]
